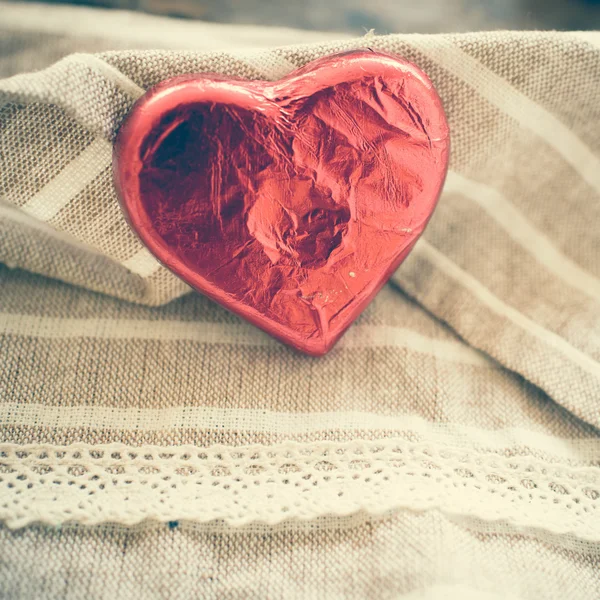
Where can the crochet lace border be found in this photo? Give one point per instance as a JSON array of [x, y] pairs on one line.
[[122, 484]]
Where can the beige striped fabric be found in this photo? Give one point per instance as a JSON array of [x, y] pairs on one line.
[[153, 445]]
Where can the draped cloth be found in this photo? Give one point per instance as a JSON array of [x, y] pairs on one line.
[[153, 445]]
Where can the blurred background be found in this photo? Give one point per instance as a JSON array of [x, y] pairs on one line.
[[385, 16]]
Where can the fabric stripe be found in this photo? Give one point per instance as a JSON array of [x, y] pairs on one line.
[[142, 263], [284, 423], [71, 181], [15, 215], [512, 102], [359, 336], [495, 304], [86, 167], [113, 75], [522, 231]]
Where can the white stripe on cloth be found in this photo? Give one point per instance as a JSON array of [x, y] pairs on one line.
[[78, 174], [359, 336], [523, 232], [110, 73], [89, 164], [142, 263], [488, 299], [289, 423], [498, 92], [11, 213], [70, 182]]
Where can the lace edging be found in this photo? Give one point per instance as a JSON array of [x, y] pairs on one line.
[[239, 485]]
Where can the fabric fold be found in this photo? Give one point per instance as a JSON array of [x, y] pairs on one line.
[[509, 261]]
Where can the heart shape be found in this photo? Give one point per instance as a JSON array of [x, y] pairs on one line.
[[291, 202]]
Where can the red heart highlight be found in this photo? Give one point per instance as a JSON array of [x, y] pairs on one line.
[[291, 202]]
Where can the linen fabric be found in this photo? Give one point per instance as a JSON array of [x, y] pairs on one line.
[[153, 445]]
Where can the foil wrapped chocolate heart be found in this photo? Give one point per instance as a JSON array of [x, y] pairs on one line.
[[291, 202]]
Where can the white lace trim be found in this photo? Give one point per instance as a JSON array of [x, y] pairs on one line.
[[125, 484]]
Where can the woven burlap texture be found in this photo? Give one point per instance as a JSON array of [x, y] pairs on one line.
[[460, 411]]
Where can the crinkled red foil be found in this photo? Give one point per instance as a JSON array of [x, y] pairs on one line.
[[290, 203]]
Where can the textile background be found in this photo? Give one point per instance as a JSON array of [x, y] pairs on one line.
[[153, 445]]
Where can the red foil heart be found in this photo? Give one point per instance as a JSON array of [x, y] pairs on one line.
[[289, 203]]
